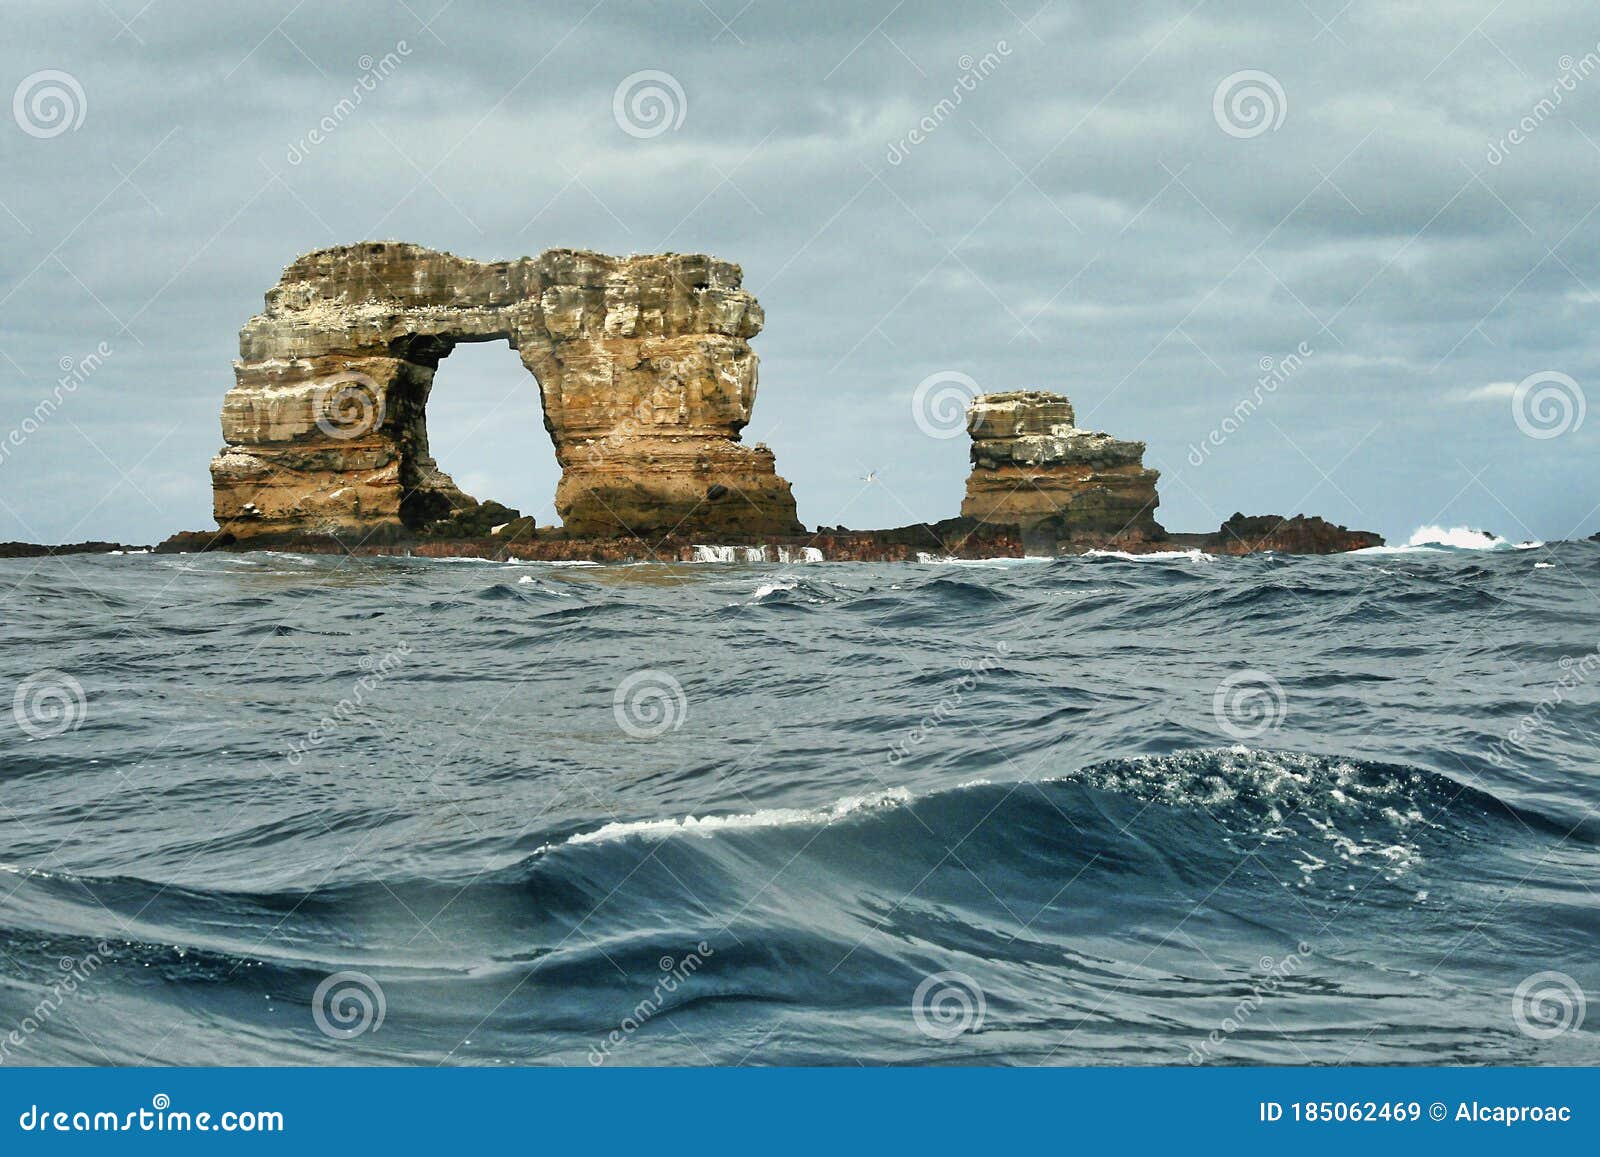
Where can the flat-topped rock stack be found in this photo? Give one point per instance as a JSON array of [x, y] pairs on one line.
[[1032, 467], [643, 365]]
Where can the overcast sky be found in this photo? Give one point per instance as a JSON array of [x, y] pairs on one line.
[[1110, 210]]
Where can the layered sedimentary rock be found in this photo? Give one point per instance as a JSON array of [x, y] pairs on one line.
[[1032, 467], [643, 365]]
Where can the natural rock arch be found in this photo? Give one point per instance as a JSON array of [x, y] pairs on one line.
[[643, 365]]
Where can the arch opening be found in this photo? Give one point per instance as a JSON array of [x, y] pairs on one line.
[[477, 434]]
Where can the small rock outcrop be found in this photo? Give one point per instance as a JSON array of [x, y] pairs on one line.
[[643, 365], [1032, 467], [1253, 533]]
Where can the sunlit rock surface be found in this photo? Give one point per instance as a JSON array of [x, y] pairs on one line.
[[643, 365], [1032, 467]]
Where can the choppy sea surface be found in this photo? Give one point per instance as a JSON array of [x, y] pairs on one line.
[[274, 809]]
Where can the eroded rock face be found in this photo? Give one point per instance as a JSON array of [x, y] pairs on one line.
[[1034, 468], [643, 365]]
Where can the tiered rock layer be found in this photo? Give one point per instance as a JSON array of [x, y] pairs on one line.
[[643, 365], [1032, 467]]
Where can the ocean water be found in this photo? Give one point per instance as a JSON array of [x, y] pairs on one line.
[[277, 809]]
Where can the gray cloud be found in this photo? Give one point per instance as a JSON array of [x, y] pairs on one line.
[[1078, 222]]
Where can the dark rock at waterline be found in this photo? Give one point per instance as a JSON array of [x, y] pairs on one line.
[[1250, 534], [195, 541], [41, 550]]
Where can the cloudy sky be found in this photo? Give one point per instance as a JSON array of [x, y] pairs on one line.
[[1139, 204]]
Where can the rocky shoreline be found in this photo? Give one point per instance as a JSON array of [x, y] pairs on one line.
[[956, 538], [646, 377]]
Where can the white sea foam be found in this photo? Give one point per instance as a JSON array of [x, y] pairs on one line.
[[1002, 562], [1270, 787], [1193, 555], [730, 554], [772, 588], [1462, 538], [766, 818]]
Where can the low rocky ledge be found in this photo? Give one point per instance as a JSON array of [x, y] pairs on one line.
[[953, 538], [1260, 533], [41, 550], [1251, 534]]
